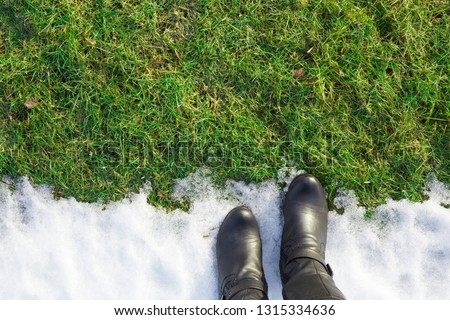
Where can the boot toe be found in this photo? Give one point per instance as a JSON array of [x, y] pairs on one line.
[[305, 189], [238, 221]]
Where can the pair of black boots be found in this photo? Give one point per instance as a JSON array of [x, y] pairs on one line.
[[304, 274]]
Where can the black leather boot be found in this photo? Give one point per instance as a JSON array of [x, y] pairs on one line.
[[239, 257], [304, 274]]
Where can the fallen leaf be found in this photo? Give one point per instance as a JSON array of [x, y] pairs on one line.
[[31, 103], [299, 73]]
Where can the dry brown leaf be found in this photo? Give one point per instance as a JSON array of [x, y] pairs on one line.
[[31, 103], [299, 73]]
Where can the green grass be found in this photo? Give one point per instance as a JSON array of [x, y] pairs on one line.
[[123, 92]]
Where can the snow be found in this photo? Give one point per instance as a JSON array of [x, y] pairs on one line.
[[65, 249]]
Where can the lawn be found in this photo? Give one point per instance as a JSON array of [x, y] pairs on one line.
[[98, 97]]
